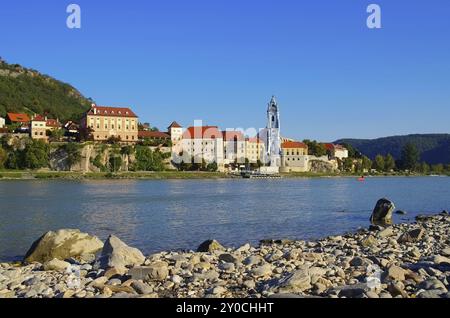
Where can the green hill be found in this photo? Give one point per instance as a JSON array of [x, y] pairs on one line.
[[433, 148], [29, 91]]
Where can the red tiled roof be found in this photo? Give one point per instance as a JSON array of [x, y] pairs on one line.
[[232, 135], [294, 144], [153, 134], [255, 140], [329, 146], [112, 111], [205, 132], [175, 125], [38, 118], [18, 118], [53, 123]]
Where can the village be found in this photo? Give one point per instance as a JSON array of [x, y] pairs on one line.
[[185, 148]]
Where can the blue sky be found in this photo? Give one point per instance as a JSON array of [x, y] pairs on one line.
[[221, 60]]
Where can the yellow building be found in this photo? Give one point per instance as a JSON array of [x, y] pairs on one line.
[[107, 122], [254, 150], [294, 157]]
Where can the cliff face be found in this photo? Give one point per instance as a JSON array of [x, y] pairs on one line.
[[94, 158]]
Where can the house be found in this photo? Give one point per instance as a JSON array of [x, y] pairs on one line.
[[71, 130], [39, 127], [233, 147], [336, 151], [104, 123], [176, 136], [254, 150], [203, 144], [53, 124], [2, 122], [294, 157], [21, 121]]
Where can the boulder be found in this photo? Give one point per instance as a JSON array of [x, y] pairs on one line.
[[116, 254], [395, 273], [157, 271], [412, 236], [401, 212], [386, 233], [298, 281], [382, 213], [228, 258], [62, 245], [56, 265], [210, 246]]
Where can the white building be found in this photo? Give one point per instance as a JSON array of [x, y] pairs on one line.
[[233, 148], [203, 145], [2, 122], [176, 136]]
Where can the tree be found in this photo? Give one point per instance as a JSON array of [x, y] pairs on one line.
[[379, 163], [389, 163], [348, 164], [424, 168], [3, 158], [35, 155], [212, 167], [410, 157], [366, 163], [115, 163], [73, 154], [315, 148], [438, 169], [55, 135], [148, 160]]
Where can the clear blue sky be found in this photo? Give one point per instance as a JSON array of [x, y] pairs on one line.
[[221, 60]]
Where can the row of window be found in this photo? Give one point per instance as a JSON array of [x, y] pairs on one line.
[[113, 127]]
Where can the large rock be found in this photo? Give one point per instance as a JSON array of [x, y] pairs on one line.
[[157, 271], [56, 265], [210, 246], [62, 244], [382, 214], [412, 236], [298, 281], [116, 254]]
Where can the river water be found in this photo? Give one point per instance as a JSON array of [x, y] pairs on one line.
[[180, 214]]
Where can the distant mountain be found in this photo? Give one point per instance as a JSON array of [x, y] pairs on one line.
[[29, 91], [434, 148]]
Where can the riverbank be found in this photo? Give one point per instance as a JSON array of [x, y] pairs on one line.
[[404, 260], [167, 175]]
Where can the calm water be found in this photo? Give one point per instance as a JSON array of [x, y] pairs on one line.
[[161, 215]]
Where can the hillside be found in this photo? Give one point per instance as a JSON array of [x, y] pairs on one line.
[[434, 148], [29, 91]]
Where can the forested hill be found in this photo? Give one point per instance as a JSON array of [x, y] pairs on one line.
[[29, 91], [433, 148]]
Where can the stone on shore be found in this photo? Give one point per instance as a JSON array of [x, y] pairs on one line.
[[62, 245], [56, 265], [116, 254], [210, 246], [298, 281], [158, 271], [382, 213], [412, 236]]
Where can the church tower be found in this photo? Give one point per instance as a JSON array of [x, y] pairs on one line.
[[273, 140]]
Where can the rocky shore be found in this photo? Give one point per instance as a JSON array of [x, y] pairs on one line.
[[404, 260]]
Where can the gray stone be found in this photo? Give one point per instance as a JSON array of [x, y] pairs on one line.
[[62, 244], [382, 213], [210, 246], [432, 284], [156, 271], [435, 293], [412, 236], [228, 258], [141, 288], [253, 260], [263, 270], [116, 254], [56, 265], [352, 291], [386, 233], [298, 281]]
